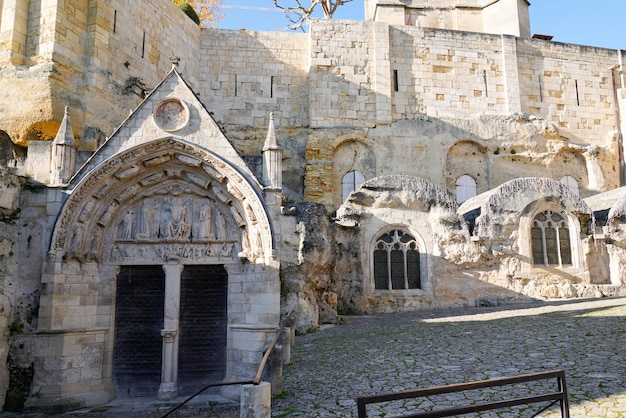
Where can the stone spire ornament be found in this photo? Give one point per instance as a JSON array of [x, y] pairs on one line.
[[175, 60], [272, 159], [63, 152]]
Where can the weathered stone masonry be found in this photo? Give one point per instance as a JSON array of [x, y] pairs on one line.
[[429, 156]]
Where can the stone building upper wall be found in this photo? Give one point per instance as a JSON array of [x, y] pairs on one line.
[[360, 74], [102, 35], [364, 74], [128, 47], [97, 57], [351, 74], [573, 86], [246, 75]]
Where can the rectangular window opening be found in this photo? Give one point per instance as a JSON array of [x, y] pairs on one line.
[[114, 20], [395, 80], [143, 45], [235, 85], [485, 81], [271, 86], [577, 96]]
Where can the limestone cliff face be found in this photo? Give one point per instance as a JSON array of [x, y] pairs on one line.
[[481, 258], [307, 284], [39, 94], [616, 243], [30, 115]]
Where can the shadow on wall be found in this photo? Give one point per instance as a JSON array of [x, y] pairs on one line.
[[337, 257]]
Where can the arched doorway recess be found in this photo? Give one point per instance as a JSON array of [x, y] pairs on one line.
[[193, 223]]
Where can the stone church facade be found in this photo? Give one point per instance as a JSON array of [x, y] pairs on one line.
[[170, 192]]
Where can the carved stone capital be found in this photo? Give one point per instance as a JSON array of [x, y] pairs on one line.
[[169, 335]]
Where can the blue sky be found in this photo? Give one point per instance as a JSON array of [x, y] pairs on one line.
[[596, 23]]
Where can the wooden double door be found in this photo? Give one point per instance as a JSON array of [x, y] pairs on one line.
[[139, 321]]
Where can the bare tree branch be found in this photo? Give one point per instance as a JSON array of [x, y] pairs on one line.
[[299, 13]]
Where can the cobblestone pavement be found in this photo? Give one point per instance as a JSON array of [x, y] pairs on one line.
[[400, 351]]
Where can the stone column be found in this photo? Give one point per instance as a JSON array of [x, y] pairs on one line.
[[169, 363]]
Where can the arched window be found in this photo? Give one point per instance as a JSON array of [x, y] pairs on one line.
[[396, 262], [571, 183], [465, 188], [350, 182], [550, 240]]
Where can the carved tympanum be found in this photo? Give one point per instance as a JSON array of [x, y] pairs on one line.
[[174, 219]]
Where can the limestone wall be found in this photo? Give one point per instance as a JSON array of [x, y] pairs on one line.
[[246, 75], [346, 75], [573, 86], [117, 50], [21, 268], [491, 149], [343, 76], [446, 73], [23, 236]]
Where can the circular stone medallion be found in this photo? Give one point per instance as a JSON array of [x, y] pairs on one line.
[[171, 115]]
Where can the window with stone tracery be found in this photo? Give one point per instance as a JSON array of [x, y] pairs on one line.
[[351, 181], [465, 188], [550, 239], [396, 262]]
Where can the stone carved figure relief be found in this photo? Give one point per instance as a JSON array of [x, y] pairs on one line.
[[251, 244], [125, 231], [106, 216], [259, 245], [77, 238], [85, 245], [174, 219], [178, 225], [84, 214], [92, 251], [181, 227], [105, 179], [220, 223], [149, 222], [204, 226], [174, 222], [251, 214]]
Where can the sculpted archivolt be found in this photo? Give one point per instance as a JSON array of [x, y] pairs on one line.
[[168, 200]]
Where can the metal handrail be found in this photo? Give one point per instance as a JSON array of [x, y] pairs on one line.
[[180, 405], [255, 381], [559, 396]]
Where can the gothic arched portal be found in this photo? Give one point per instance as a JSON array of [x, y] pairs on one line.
[[180, 214]]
